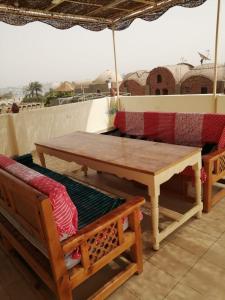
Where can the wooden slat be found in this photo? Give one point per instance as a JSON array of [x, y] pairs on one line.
[[23, 200], [110, 286], [28, 257], [90, 230], [108, 6], [79, 274], [218, 196], [120, 231], [136, 249], [170, 213], [85, 255], [61, 277], [177, 224]]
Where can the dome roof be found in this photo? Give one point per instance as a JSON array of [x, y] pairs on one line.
[[139, 76], [65, 86], [105, 76], [206, 70], [81, 84], [177, 70], [56, 84]]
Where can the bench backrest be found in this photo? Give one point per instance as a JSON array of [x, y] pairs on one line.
[[32, 210], [23, 204], [193, 129]]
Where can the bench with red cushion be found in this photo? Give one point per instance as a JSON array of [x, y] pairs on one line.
[[191, 129]]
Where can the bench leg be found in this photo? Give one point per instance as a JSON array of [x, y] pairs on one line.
[[207, 189], [207, 196], [136, 249], [64, 291], [85, 170]]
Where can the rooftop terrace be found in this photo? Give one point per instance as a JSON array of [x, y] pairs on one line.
[[189, 265], [191, 261]]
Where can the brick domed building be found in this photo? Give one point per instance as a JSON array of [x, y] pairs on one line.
[[166, 80], [135, 83], [100, 84], [200, 80]]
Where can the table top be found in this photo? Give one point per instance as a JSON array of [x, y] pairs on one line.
[[145, 156]]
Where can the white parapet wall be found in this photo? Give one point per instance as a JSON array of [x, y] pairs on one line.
[[169, 103], [7, 137], [221, 104], [20, 131]]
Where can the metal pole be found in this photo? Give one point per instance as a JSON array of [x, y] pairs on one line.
[[115, 63], [216, 55]]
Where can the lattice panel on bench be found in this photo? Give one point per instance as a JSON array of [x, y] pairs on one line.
[[103, 242], [222, 163]]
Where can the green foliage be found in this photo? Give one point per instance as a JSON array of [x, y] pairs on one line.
[[33, 90], [113, 108], [33, 93], [28, 99]]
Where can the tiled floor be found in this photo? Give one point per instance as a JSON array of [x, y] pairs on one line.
[[189, 265]]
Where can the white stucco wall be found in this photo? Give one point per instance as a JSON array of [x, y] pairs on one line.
[[170, 103], [7, 138], [221, 104], [19, 132], [42, 124]]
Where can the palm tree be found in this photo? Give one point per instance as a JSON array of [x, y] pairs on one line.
[[33, 89], [37, 86]]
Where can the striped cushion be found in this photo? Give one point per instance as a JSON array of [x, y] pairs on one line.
[[64, 211], [91, 204]]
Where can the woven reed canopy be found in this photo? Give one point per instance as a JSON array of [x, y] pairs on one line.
[[91, 14]]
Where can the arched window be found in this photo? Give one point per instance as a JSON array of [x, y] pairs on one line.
[[165, 92], [204, 90], [157, 92], [187, 90], [159, 78]]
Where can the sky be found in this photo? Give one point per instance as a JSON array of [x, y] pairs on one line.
[[39, 52]]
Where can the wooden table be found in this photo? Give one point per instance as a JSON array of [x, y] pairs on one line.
[[149, 163]]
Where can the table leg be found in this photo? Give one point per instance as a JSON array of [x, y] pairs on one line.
[[197, 170], [42, 158], [153, 191], [85, 170]]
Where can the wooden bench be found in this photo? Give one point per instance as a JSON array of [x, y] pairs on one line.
[[99, 242], [190, 129]]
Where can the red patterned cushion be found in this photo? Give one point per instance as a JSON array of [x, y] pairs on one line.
[[189, 172], [221, 144], [135, 123], [192, 129], [188, 129], [64, 211], [120, 121], [213, 125]]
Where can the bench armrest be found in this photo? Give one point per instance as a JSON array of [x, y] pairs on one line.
[[93, 229], [213, 155], [214, 164]]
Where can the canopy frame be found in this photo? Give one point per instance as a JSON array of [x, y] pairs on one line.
[[94, 15]]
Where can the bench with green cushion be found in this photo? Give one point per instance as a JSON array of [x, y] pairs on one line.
[[90, 203]]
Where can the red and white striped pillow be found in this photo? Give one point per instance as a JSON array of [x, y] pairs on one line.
[[64, 211]]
